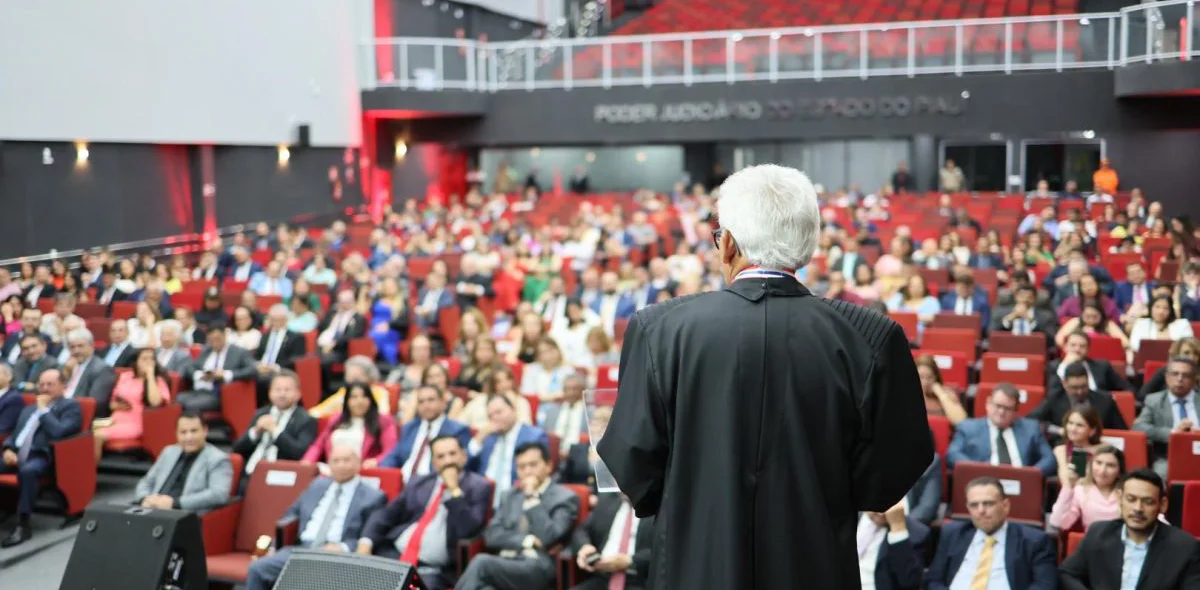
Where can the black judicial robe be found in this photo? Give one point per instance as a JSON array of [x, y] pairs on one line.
[[755, 423]]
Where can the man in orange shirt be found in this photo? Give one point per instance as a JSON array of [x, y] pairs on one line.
[[1105, 179]]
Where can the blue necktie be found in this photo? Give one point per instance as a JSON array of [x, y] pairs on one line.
[[1182, 403]]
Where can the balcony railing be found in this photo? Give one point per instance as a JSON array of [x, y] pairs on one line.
[[1144, 33]]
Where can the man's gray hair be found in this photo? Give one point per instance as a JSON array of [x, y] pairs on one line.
[[773, 215], [81, 335], [367, 366], [165, 325], [278, 308]]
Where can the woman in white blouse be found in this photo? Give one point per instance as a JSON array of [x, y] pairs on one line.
[[1161, 324], [243, 333], [142, 332], [545, 377], [573, 334]]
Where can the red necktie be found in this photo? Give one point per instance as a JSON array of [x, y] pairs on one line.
[[413, 550], [617, 581]]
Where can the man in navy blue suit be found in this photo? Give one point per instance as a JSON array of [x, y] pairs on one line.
[[1002, 438], [492, 449], [989, 551], [1134, 290], [11, 402], [965, 299], [891, 549], [412, 454], [431, 300], [433, 513], [29, 452]]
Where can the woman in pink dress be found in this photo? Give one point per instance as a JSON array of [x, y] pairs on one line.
[[144, 387]]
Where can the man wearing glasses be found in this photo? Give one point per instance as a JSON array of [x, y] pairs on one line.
[[1003, 437]]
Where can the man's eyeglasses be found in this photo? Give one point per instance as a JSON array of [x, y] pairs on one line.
[[716, 233]]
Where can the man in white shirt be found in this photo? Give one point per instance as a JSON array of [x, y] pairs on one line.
[[243, 267], [41, 287], [1002, 438], [282, 431], [890, 550], [330, 516], [53, 325], [614, 545], [278, 349]]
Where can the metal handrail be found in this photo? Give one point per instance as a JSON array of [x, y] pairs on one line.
[[1079, 41]]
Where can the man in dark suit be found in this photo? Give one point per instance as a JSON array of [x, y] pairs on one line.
[[412, 454], [431, 300], [341, 325], [621, 540], [31, 323], [964, 557], [1135, 290], [426, 532], [978, 439], [88, 376], [29, 452], [33, 362], [1075, 393], [41, 288], [492, 451], [471, 284], [281, 431], [828, 438], [120, 351], [219, 363], [1023, 317], [532, 519], [11, 401], [106, 291], [330, 515], [278, 349], [891, 550], [966, 300], [1100, 373], [1136, 551]]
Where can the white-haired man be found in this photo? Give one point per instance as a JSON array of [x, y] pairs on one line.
[[757, 421], [278, 349], [171, 353]]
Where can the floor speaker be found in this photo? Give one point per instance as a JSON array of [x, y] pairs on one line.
[[309, 569], [121, 547]]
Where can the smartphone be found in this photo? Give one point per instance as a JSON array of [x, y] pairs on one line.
[[1079, 461], [592, 559]]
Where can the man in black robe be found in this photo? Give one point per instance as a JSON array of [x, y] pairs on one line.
[[754, 423]]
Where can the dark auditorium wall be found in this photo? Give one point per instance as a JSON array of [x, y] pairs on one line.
[[1163, 164], [252, 186], [412, 18], [126, 192]]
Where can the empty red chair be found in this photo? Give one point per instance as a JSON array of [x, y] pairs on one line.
[[1015, 369], [308, 369], [1008, 343], [1107, 348], [908, 321], [1151, 350], [1132, 443], [1023, 485], [956, 339], [123, 310], [389, 480], [1127, 405], [238, 403], [1183, 456], [1190, 519], [972, 322], [87, 310], [362, 346]]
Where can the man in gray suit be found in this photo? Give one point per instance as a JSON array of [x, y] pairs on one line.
[[190, 475], [33, 362], [331, 514], [219, 364], [171, 356], [1175, 410], [531, 520], [87, 374]]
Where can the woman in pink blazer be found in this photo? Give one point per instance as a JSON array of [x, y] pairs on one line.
[[359, 425]]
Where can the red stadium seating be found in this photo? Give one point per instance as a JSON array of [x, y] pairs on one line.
[[1183, 456], [1191, 508], [1013, 368], [953, 364], [1008, 343], [390, 480], [1073, 541], [1132, 443], [1127, 405], [956, 339], [158, 431], [239, 400], [308, 368]]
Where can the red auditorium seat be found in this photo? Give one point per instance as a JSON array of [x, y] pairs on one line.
[[158, 431], [952, 364], [1008, 343], [239, 400], [1024, 486], [1183, 456], [231, 532], [1127, 405], [1015, 369], [308, 368], [1190, 520], [955, 339], [1073, 541], [74, 477], [1131, 442], [389, 480]]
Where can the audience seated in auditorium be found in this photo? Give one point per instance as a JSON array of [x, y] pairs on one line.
[[621, 541], [135, 391], [11, 401], [33, 362], [566, 418], [219, 363], [530, 519], [1091, 496], [492, 450], [436, 510], [280, 431], [1100, 373], [578, 464], [967, 555], [189, 475], [87, 375], [28, 452], [1075, 393], [475, 412], [330, 514], [360, 424], [1023, 317], [965, 299], [1002, 438], [412, 453], [1136, 551], [1177, 409], [120, 350], [891, 550]]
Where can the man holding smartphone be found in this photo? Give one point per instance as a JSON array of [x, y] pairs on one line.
[[614, 546]]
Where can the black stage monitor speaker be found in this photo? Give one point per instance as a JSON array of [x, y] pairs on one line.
[[309, 569], [122, 547]]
